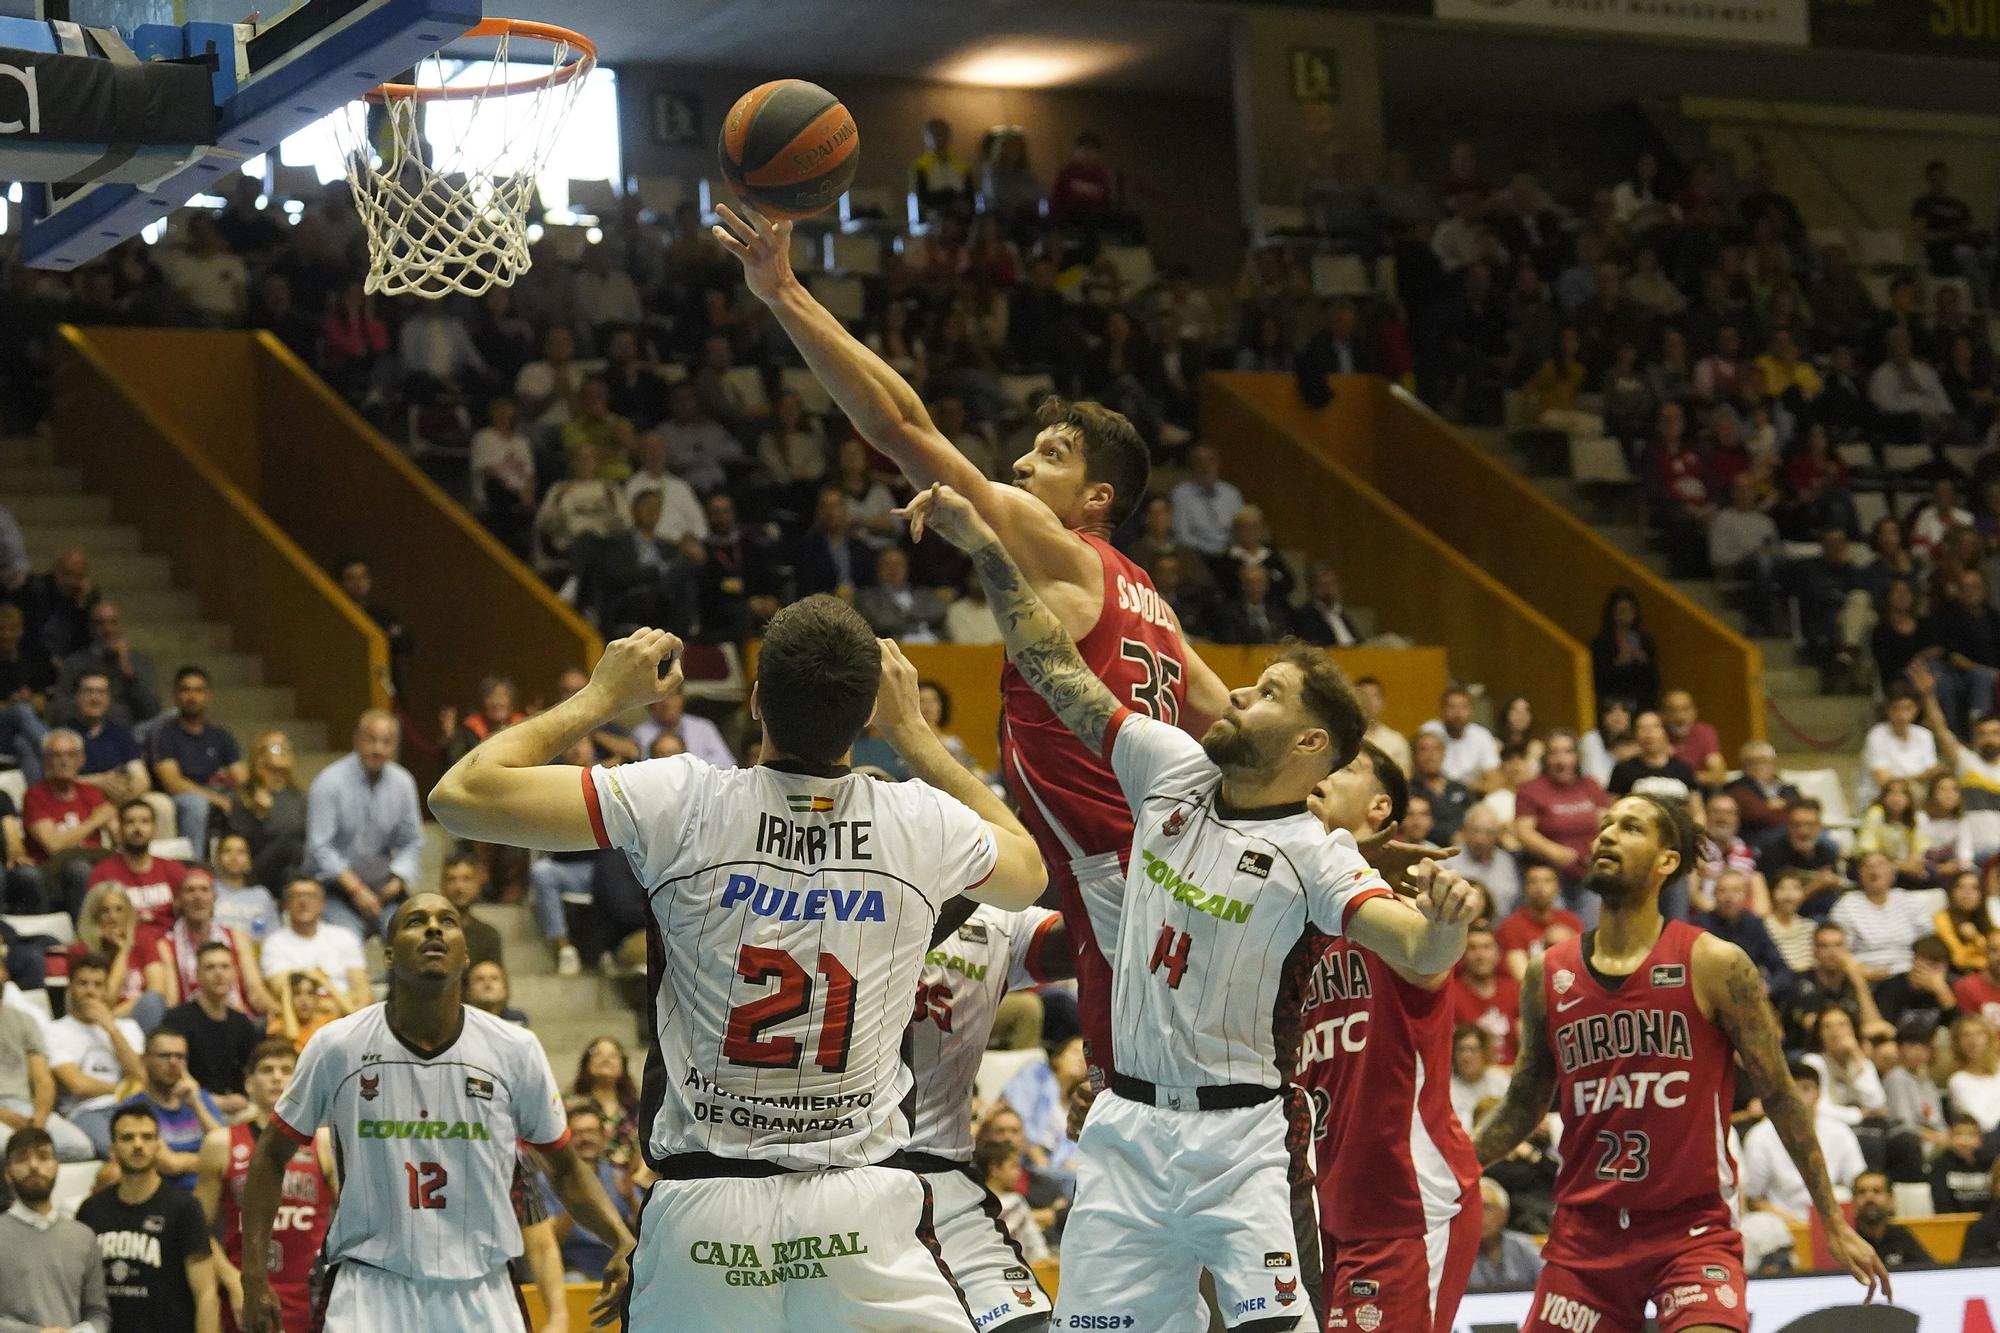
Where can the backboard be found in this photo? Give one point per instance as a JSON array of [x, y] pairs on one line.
[[269, 75]]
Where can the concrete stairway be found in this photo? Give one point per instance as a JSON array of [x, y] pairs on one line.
[[1794, 706], [165, 622]]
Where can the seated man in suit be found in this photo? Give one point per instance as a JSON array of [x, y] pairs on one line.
[[894, 609], [828, 557], [1323, 618], [1253, 615], [632, 578]]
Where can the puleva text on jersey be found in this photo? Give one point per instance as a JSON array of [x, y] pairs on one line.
[[803, 904]]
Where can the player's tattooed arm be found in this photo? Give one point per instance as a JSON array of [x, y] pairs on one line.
[[1042, 650], [1533, 1086], [1731, 988]]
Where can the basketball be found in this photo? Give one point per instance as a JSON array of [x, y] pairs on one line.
[[790, 148]]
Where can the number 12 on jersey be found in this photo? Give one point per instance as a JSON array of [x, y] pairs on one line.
[[427, 1182]]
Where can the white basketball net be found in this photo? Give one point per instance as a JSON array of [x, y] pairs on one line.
[[449, 214]]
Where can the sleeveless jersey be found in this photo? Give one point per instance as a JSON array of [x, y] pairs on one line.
[[958, 997], [425, 1144], [1219, 904], [1644, 1083], [792, 908], [1391, 1158], [305, 1208], [1067, 796]]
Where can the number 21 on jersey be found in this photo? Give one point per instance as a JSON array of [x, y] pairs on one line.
[[744, 1042]]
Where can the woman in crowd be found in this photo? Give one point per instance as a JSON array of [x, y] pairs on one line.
[[935, 700], [897, 343], [869, 500], [269, 812], [1557, 381], [793, 449], [583, 503], [1516, 726], [1895, 827], [1975, 1087], [604, 1081], [1944, 808], [108, 928], [1008, 189], [307, 1002], [1849, 1086], [1963, 923], [991, 258], [1610, 742], [1268, 349], [1623, 659], [1898, 635]]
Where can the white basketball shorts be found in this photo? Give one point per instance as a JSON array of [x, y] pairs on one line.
[[364, 1299], [1161, 1195], [807, 1251], [1001, 1290]]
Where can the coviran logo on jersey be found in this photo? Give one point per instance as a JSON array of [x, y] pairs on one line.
[[796, 1260], [1194, 895], [951, 962], [423, 1129]]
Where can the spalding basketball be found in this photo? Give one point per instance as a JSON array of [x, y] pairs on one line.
[[790, 148]]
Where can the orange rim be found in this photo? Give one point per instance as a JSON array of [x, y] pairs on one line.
[[582, 59]]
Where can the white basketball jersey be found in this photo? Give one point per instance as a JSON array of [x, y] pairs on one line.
[[1216, 901], [425, 1146], [958, 997], [792, 910]]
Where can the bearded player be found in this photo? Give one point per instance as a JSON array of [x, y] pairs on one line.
[[308, 1191], [1185, 1163], [1635, 1028], [1399, 1205], [1086, 472]]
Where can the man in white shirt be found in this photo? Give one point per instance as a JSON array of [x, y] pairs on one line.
[[1205, 505], [698, 736], [91, 1053], [1743, 544], [1483, 860], [680, 510], [548, 388], [1771, 1183], [1470, 752], [1882, 921], [305, 942], [1380, 734], [1897, 747], [1905, 387], [697, 446]]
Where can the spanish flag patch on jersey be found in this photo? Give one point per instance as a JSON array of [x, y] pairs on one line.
[[809, 805]]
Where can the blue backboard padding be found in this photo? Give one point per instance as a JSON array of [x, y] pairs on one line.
[[374, 44]]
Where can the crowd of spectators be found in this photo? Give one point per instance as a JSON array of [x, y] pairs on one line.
[[624, 421]]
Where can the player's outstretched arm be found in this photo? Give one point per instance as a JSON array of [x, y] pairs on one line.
[[1533, 1086], [887, 412], [1019, 875], [262, 1185], [583, 1196], [506, 790], [1037, 644], [1731, 989], [1423, 939]]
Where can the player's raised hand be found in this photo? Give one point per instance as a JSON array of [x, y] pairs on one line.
[[942, 510], [762, 246], [897, 705], [607, 1309], [1857, 1256], [637, 670], [1395, 860], [1445, 896]]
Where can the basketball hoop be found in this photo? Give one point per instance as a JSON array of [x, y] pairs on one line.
[[451, 216]]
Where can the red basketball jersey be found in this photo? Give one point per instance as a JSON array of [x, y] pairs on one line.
[[1067, 794], [305, 1208], [1391, 1158], [1644, 1083]]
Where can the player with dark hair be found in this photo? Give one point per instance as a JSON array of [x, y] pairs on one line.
[[791, 905], [1186, 1162], [1399, 1205], [308, 1191], [1087, 471], [1633, 1030], [428, 1101]]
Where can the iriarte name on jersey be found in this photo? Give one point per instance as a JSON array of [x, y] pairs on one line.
[[958, 997], [792, 908], [426, 1144], [1216, 901]]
